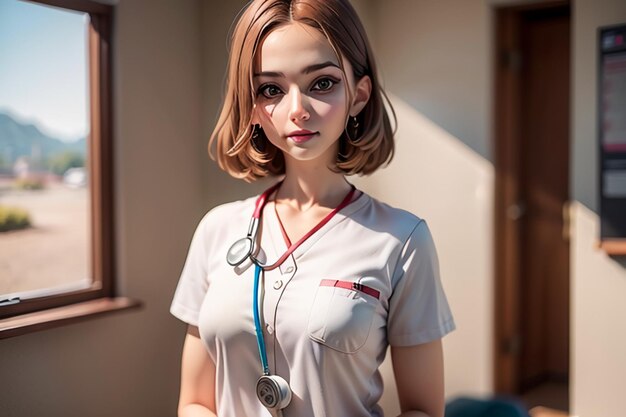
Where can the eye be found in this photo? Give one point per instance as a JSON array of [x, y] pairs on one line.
[[325, 84], [269, 90]]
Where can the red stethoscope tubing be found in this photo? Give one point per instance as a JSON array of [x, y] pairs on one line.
[[262, 201]]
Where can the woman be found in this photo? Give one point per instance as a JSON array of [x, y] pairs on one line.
[[295, 317]]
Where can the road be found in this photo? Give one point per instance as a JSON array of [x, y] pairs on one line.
[[54, 252]]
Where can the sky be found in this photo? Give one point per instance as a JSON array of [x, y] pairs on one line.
[[43, 68]]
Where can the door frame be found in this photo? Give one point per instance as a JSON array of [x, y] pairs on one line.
[[507, 341]]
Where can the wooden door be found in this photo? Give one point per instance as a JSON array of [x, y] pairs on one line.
[[545, 191], [532, 183]]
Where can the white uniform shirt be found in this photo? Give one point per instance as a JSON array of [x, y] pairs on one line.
[[326, 341]]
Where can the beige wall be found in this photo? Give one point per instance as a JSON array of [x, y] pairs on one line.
[[598, 292]]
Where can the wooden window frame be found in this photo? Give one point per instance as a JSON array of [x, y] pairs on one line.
[[50, 311]]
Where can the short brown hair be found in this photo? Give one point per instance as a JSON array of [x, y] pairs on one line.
[[338, 22]]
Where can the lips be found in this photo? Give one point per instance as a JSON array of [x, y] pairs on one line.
[[301, 136]]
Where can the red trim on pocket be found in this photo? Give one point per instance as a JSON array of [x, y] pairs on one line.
[[350, 286]]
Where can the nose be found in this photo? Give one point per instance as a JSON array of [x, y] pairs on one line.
[[297, 110]]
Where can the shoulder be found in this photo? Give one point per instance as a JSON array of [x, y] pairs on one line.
[[219, 219], [397, 222], [224, 211]]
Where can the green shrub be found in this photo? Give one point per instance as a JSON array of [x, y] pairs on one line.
[[60, 163], [29, 184], [12, 218]]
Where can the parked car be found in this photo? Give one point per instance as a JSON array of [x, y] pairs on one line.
[[75, 177]]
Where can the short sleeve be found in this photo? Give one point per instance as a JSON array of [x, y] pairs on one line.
[[193, 282], [418, 308]]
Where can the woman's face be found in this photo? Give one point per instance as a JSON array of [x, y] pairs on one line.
[[301, 99]]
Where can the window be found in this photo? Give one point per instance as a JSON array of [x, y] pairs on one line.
[[56, 195]]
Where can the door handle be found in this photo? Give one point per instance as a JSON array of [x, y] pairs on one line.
[[516, 211], [566, 221]]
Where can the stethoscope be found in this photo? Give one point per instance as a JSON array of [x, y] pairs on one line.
[[272, 391]]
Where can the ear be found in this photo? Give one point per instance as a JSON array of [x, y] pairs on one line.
[[362, 94]]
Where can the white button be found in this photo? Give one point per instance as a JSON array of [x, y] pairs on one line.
[[277, 284], [269, 328], [289, 269]]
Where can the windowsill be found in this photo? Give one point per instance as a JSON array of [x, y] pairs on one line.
[[54, 317], [613, 247]]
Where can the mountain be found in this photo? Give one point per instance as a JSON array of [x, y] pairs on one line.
[[17, 139]]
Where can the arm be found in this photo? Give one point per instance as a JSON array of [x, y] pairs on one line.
[[418, 371], [197, 382]]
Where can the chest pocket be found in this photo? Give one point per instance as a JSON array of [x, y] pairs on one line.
[[342, 314]]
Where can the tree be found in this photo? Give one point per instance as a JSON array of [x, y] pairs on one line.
[[61, 162]]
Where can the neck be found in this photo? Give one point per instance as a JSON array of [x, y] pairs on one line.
[[307, 185]]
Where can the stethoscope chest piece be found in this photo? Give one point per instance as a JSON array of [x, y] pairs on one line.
[[273, 392], [239, 251]]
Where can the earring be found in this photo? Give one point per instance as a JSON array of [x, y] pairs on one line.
[[258, 139], [342, 152], [354, 137]]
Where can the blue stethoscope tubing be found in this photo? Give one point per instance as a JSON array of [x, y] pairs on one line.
[[272, 390], [257, 321]]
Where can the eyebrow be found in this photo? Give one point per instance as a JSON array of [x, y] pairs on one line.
[[307, 70]]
